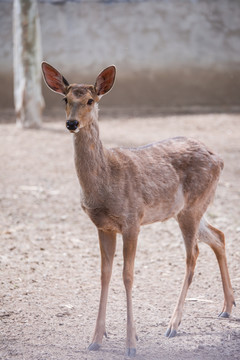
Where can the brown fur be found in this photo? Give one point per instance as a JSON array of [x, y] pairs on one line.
[[124, 188]]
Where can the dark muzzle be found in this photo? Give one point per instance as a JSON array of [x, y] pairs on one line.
[[72, 125]]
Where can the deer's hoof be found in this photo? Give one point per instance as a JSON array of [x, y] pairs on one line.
[[131, 352], [224, 314], [170, 333], [94, 347]]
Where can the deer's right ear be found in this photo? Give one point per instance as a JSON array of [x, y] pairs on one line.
[[54, 80], [105, 80]]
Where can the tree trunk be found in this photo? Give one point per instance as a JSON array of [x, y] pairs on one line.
[[27, 64]]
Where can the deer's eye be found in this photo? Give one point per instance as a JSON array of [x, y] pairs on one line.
[[90, 101], [65, 99]]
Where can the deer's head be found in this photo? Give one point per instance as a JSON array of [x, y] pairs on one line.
[[81, 100]]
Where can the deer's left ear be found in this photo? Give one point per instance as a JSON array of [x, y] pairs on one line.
[[54, 80], [105, 80]]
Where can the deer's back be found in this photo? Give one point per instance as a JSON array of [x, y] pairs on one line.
[[166, 174], [180, 159]]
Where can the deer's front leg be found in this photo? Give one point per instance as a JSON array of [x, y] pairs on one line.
[[129, 251], [107, 241]]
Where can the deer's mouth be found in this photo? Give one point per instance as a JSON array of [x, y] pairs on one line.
[[74, 131]]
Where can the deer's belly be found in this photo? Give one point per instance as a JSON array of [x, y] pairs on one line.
[[164, 210]]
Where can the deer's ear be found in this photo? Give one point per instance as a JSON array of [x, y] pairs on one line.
[[105, 80], [54, 80]]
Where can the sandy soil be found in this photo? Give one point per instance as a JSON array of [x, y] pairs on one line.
[[49, 254]]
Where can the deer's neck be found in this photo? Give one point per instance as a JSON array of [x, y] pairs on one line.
[[90, 161]]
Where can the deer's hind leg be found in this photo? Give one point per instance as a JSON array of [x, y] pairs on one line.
[[216, 240], [189, 227]]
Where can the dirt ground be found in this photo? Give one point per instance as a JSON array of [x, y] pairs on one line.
[[49, 254]]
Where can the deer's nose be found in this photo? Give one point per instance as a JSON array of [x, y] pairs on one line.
[[72, 125]]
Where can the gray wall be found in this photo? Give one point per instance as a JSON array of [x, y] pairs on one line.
[[172, 53]]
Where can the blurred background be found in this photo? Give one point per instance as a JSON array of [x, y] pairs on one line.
[[178, 74], [171, 55]]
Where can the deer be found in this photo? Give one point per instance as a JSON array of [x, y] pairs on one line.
[[124, 188]]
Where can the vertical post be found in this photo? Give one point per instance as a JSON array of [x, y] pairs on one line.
[[27, 56]]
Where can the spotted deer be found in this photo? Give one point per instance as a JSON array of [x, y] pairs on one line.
[[124, 188]]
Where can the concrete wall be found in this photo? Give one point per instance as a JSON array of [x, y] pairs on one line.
[[168, 53]]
